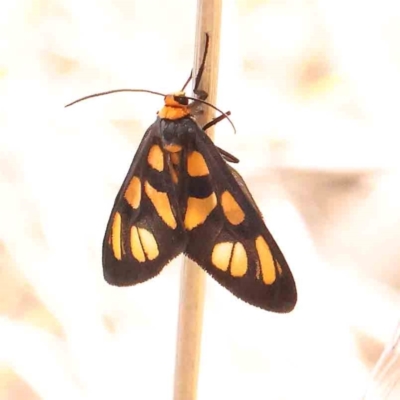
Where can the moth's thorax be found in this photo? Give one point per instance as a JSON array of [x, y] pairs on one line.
[[176, 134], [175, 106], [177, 137]]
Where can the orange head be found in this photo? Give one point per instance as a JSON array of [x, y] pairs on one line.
[[175, 106]]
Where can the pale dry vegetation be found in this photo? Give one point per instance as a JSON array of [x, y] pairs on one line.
[[314, 92]]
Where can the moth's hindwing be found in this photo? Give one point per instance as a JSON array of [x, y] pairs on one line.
[[145, 230], [227, 235]]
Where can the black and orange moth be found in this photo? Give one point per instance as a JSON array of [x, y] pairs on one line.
[[181, 196]]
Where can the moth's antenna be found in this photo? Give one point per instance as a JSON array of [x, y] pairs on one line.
[[114, 91], [187, 81], [202, 65], [201, 69], [152, 92]]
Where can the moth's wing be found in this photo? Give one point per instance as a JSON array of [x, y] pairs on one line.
[[240, 181], [145, 230], [232, 242]]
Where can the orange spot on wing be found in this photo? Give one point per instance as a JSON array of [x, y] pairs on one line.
[[155, 158], [239, 262], [149, 244], [229, 255], [196, 165], [266, 260], [162, 205], [279, 268], [198, 210], [133, 192], [136, 246], [221, 255], [233, 212], [143, 244], [116, 236]]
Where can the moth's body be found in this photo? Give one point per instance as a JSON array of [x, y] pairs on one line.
[[181, 196], [177, 140]]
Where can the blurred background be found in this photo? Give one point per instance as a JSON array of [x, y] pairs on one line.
[[314, 90]]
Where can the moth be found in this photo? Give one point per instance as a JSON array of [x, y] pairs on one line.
[[180, 195]]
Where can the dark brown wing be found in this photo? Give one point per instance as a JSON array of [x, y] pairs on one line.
[[145, 230], [231, 241]]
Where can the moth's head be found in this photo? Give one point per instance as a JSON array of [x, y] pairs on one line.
[[175, 106], [176, 99]]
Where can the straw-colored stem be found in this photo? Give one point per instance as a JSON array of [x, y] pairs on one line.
[[193, 278]]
